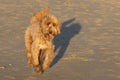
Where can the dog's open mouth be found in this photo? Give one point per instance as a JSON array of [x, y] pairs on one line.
[[51, 36]]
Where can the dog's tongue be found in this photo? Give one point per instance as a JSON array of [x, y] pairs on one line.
[[51, 36]]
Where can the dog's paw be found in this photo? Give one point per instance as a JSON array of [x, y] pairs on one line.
[[30, 64], [38, 70]]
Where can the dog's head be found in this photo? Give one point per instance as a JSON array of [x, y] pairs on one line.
[[50, 26]]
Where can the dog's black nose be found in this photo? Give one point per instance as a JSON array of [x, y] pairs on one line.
[[50, 32]]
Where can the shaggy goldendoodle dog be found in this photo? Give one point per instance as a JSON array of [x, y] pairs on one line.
[[38, 39]]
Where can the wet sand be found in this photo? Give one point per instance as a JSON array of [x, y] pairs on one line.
[[87, 49]]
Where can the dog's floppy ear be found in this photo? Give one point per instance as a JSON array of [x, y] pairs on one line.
[[39, 15]]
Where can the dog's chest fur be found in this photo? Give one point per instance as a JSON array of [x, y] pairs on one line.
[[41, 41]]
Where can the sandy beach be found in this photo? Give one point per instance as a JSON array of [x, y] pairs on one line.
[[88, 47]]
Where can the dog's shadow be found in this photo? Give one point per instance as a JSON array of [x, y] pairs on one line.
[[61, 41]]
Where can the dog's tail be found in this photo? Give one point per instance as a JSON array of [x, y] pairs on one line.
[[39, 15]]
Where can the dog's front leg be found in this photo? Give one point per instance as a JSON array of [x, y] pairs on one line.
[[49, 55], [35, 57], [28, 43]]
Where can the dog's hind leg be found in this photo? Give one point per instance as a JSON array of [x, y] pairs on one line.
[[28, 43], [41, 54]]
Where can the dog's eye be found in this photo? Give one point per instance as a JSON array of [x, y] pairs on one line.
[[48, 23], [54, 24]]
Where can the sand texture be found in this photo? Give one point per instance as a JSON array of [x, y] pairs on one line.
[[87, 49]]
